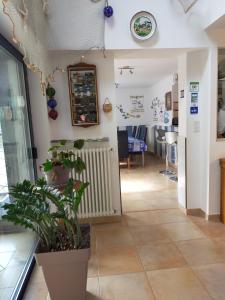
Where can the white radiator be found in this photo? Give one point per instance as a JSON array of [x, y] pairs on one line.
[[97, 199]]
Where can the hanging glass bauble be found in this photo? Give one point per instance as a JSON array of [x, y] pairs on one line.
[[53, 114], [108, 10], [50, 91], [52, 103]]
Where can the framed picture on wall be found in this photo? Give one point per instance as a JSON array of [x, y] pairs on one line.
[[83, 94], [168, 101]]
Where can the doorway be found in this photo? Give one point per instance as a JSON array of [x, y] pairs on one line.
[[16, 164], [147, 99]]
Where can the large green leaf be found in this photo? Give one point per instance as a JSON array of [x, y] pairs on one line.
[[78, 144], [48, 165]]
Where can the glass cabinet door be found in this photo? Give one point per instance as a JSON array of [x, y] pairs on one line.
[[16, 164]]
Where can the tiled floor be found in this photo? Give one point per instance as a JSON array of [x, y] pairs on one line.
[[158, 254]]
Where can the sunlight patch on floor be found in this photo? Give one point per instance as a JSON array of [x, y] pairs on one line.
[[129, 186]]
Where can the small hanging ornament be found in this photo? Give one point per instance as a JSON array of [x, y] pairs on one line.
[[50, 91], [53, 114], [107, 106], [52, 103], [108, 10]]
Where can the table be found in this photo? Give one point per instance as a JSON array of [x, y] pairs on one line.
[[136, 145]]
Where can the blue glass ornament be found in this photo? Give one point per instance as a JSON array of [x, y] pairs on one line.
[[52, 103], [108, 11]]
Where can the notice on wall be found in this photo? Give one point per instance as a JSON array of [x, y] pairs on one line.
[[137, 104], [194, 104], [194, 87]]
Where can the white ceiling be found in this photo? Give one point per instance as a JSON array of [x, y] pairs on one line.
[[77, 24], [147, 71]]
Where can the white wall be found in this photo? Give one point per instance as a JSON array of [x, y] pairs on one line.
[[175, 28], [39, 119], [198, 131], [62, 128], [123, 98]]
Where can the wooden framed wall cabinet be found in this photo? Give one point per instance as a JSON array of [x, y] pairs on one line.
[[83, 94]]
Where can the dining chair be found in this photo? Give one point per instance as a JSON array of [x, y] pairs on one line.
[[122, 136]]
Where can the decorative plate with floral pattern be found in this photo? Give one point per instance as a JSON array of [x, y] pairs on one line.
[[143, 25]]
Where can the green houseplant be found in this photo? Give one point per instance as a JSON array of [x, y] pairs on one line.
[[57, 169], [64, 245]]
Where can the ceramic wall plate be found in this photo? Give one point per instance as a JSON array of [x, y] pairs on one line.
[[143, 25]]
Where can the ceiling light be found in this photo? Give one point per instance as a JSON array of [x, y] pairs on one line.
[[128, 68]]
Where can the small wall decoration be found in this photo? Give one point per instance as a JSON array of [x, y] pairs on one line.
[[166, 117], [155, 115], [126, 115], [137, 103], [108, 10], [182, 94], [107, 106], [168, 101], [83, 94], [194, 87], [143, 25], [52, 103]]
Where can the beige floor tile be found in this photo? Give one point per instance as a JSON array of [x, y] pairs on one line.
[[113, 237], [37, 275], [183, 231], [213, 277], [170, 216], [125, 287], [136, 205], [36, 291], [203, 251], [161, 256], [141, 218], [109, 226], [143, 205], [213, 229], [132, 196], [119, 260], [177, 284], [144, 235], [219, 242]]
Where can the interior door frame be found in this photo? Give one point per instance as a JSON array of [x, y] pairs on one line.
[[4, 43]]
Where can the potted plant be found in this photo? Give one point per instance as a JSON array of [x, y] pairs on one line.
[[64, 245], [57, 169]]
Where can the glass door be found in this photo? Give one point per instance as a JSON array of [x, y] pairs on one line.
[[16, 164]]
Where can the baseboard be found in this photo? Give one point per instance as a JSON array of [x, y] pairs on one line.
[[200, 213], [214, 218], [99, 220], [196, 212]]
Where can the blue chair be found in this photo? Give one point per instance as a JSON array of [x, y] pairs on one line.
[[141, 133], [134, 131], [122, 137], [129, 131]]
